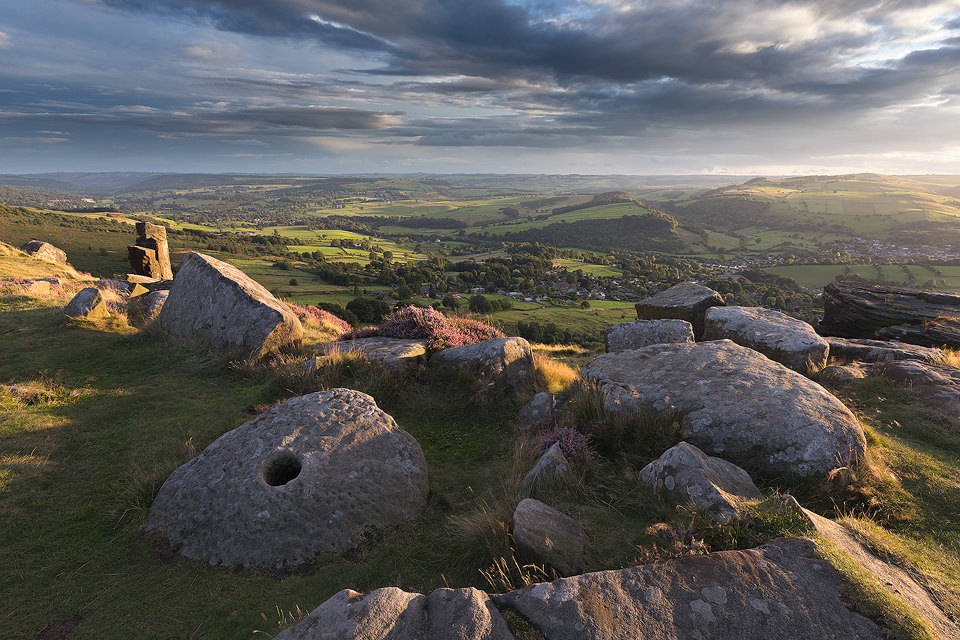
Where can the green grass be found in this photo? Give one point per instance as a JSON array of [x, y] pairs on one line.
[[819, 275]]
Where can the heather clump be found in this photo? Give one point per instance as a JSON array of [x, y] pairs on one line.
[[440, 331], [575, 445], [310, 315]]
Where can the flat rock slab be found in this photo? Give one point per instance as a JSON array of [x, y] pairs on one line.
[[89, 303], [643, 333], [46, 252], [789, 341], [940, 384], [686, 301], [688, 474], [508, 361], [308, 476], [548, 536], [217, 303], [735, 403], [882, 350], [395, 353], [846, 372], [774, 592]]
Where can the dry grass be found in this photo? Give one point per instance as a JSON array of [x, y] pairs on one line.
[[553, 375], [951, 356]]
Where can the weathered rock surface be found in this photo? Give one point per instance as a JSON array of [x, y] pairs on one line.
[[846, 372], [789, 341], [153, 303], [549, 536], [215, 302], [88, 303], [685, 301], [643, 333], [392, 614], [384, 614], [552, 463], [774, 592], [464, 614], [46, 252], [858, 310], [940, 384], [543, 408], [394, 353], [505, 360], [736, 403], [149, 255], [881, 350], [308, 476], [688, 474]]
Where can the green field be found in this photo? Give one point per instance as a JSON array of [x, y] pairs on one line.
[[817, 275]]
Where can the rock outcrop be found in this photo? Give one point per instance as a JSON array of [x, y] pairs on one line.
[[685, 301], [393, 614], [858, 310], [548, 536], [882, 350], [217, 303], [736, 403], [543, 408], [308, 476], [89, 303], [688, 474], [643, 333], [150, 256], [939, 384], [774, 592], [46, 252], [393, 353], [789, 341], [507, 361]]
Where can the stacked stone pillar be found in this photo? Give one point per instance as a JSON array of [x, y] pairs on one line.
[[150, 256]]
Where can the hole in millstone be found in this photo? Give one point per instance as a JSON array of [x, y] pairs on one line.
[[281, 469]]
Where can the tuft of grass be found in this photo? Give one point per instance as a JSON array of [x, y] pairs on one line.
[[285, 618], [951, 356], [552, 375], [863, 593], [641, 435]]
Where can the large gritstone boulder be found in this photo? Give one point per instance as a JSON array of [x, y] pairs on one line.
[[308, 476], [507, 361], [882, 350], [857, 310], [392, 614], [789, 341], [686, 301], [89, 303], [775, 592], [149, 256], [46, 252], [643, 333], [735, 403], [688, 474], [217, 303]]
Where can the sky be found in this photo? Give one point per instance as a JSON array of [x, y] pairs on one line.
[[464, 86]]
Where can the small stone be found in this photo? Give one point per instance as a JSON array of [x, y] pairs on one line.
[[549, 536], [46, 252], [89, 303], [552, 463], [543, 408], [508, 361]]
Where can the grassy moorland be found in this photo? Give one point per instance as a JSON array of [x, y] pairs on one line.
[[119, 409]]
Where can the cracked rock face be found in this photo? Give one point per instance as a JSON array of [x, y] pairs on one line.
[[883, 350], [735, 403], [686, 301], [774, 592], [308, 476], [686, 473], [217, 303], [789, 341]]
